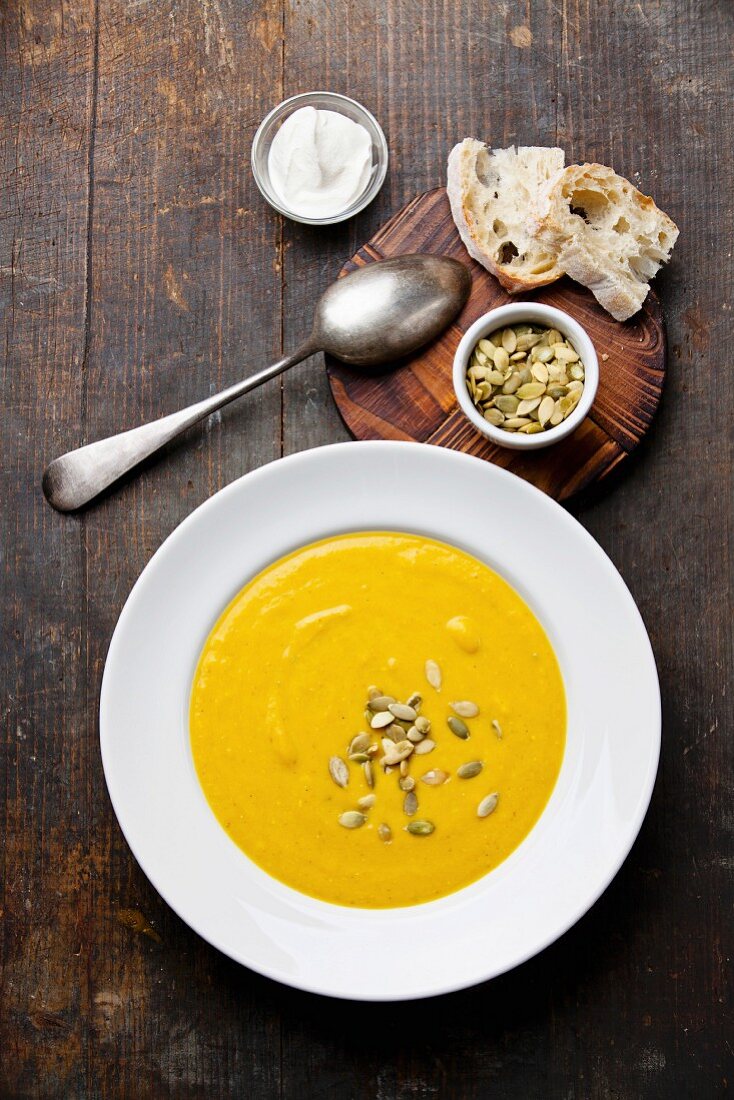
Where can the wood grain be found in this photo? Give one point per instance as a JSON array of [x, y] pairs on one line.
[[416, 400], [138, 268]]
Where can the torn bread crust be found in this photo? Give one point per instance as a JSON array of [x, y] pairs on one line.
[[607, 235], [493, 195]]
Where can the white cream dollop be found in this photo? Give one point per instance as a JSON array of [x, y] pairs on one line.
[[319, 162]]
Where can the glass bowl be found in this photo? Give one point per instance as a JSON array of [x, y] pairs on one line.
[[328, 101]]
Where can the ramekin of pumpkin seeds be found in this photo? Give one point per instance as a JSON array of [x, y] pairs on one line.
[[526, 375]]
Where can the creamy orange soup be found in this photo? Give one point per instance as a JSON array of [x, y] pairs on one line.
[[281, 690]]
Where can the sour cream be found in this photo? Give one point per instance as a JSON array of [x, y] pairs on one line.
[[319, 163]]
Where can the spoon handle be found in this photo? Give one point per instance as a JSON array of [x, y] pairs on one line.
[[77, 477]]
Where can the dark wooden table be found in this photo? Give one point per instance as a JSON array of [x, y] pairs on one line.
[[141, 269]]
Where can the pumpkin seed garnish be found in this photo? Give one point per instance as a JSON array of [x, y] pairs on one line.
[[359, 757], [469, 770], [367, 801], [360, 743], [382, 719], [403, 712], [422, 724], [410, 803], [373, 692], [380, 702], [414, 735], [338, 771], [458, 727], [420, 828], [406, 783], [465, 709], [527, 367], [369, 775], [414, 700], [497, 728], [352, 819], [398, 752], [433, 674], [488, 805], [435, 778], [425, 746], [384, 832]]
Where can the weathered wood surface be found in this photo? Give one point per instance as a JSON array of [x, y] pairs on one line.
[[139, 269], [417, 401]]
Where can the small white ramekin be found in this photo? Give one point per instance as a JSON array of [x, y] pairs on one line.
[[324, 101], [518, 313]]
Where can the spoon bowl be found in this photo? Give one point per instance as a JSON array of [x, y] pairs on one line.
[[389, 309], [371, 317]]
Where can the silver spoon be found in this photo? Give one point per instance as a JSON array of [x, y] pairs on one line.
[[377, 314]]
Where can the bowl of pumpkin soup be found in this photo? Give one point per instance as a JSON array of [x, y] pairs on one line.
[[380, 721], [377, 719]]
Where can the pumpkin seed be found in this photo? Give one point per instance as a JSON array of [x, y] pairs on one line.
[[433, 674], [406, 783], [465, 709], [434, 778], [420, 828], [528, 406], [509, 340], [382, 719], [531, 389], [425, 746], [532, 428], [398, 752], [373, 691], [359, 757], [422, 724], [507, 403], [487, 347], [545, 410], [468, 771], [576, 371], [542, 354], [512, 384], [539, 372], [380, 702], [565, 354], [410, 804], [414, 700], [488, 805], [360, 743], [497, 728], [338, 771], [495, 378], [457, 727], [514, 422], [352, 819], [403, 712], [367, 801], [493, 416], [369, 775], [384, 832], [501, 359]]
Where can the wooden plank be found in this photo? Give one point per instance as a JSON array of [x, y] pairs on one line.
[[47, 755]]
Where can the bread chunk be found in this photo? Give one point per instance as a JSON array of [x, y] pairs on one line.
[[605, 233], [493, 195]]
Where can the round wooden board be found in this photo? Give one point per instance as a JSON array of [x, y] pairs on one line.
[[415, 401]]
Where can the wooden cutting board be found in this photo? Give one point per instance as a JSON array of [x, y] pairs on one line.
[[416, 401]]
